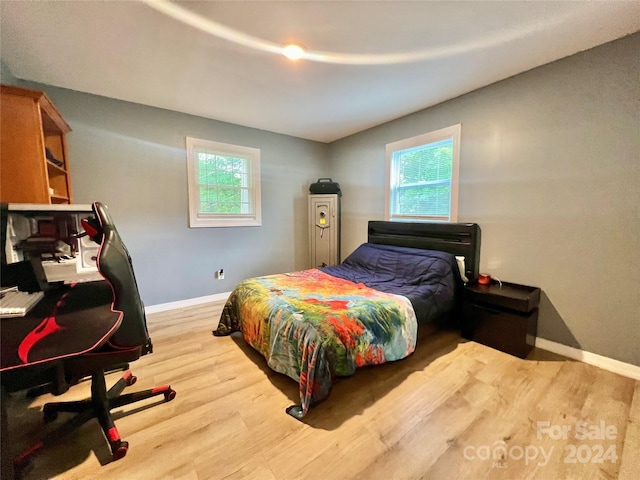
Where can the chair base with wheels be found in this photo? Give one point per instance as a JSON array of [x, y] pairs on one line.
[[99, 406]]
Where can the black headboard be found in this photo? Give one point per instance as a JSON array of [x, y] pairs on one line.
[[456, 238]]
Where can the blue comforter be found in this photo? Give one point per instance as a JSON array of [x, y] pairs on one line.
[[428, 278]]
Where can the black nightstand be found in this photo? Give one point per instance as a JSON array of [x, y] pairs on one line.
[[504, 316]]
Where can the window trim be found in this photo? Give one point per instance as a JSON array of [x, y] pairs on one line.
[[198, 219], [453, 132]]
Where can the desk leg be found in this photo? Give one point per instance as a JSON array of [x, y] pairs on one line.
[[6, 455]]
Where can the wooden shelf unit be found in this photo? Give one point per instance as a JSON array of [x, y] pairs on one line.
[[29, 126]]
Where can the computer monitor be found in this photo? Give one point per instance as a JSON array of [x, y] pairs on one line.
[[42, 246]]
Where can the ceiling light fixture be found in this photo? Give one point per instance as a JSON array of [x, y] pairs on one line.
[[293, 51], [206, 25]]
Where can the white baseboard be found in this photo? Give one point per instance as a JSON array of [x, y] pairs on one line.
[[190, 302], [615, 366]]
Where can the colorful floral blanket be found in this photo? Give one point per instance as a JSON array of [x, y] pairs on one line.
[[313, 327]]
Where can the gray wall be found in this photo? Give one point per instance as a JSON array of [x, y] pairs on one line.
[[132, 158], [6, 76], [550, 170]]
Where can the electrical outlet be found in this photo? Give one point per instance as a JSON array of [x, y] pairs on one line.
[[220, 274]]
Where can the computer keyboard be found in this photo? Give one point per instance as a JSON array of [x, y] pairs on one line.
[[15, 303]]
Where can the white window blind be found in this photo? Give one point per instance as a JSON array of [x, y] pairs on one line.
[[422, 176]]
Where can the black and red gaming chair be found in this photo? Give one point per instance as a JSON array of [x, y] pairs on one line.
[[128, 343]]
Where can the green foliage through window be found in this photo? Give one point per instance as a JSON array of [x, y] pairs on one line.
[[424, 179], [224, 184], [422, 175]]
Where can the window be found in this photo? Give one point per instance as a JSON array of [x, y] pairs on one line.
[[422, 177], [224, 184]]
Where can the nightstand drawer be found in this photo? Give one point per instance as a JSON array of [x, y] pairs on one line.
[[521, 298], [508, 331]]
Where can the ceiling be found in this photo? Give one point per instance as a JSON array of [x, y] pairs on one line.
[[369, 61]]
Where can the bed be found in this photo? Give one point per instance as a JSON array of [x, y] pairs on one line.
[[318, 324]]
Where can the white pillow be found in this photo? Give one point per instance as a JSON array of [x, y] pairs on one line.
[[461, 267]]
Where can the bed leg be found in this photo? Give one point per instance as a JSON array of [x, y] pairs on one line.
[[295, 411]]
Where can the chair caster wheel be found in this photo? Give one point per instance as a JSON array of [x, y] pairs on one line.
[[49, 416], [120, 451], [131, 380], [169, 395]]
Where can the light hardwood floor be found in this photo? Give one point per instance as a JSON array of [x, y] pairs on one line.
[[442, 413]]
